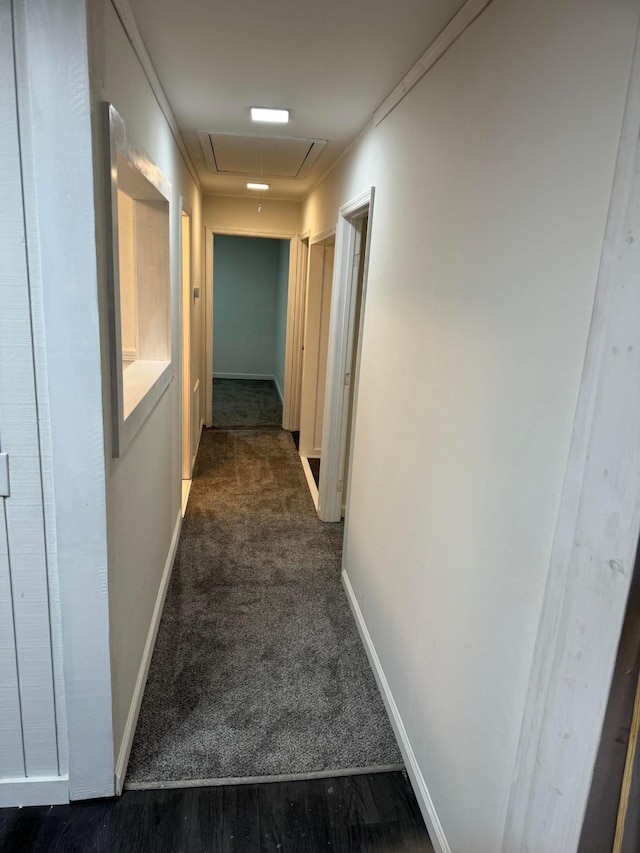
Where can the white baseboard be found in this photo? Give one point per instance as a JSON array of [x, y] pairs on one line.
[[434, 827], [279, 390], [244, 376], [145, 663], [310, 480], [34, 791]]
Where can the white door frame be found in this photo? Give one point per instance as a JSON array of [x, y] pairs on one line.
[[209, 234], [296, 316], [186, 449], [310, 361], [341, 341], [595, 542]]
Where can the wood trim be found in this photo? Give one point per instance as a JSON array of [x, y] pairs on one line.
[[143, 672], [595, 542], [129, 25], [427, 807], [449, 35]]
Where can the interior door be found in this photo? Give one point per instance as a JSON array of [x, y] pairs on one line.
[[316, 343]]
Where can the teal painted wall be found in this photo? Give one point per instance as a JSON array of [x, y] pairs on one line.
[[249, 306]]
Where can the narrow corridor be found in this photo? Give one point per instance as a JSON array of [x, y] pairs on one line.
[[258, 668]]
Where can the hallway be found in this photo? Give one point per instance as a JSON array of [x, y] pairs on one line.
[[246, 403], [258, 668]]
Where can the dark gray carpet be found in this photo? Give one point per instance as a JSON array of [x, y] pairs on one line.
[[246, 403], [258, 668]]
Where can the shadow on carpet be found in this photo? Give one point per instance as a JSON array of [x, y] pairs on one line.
[[258, 668], [246, 403]]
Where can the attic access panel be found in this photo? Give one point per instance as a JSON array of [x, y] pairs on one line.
[[253, 155]]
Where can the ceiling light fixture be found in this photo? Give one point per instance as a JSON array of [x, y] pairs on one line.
[[252, 186], [267, 114]]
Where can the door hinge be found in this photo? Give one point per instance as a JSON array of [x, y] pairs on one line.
[[356, 259], [347, 379], [4, 475], [339, 485]]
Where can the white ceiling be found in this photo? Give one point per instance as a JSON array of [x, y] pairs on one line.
[[330, 63]]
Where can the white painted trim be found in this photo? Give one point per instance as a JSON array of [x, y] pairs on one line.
[[54, 60], [186, 392], [308, 473], [595, 542], [126, 424], [322, 236], [34, 791], [244, 376], [341, 339], [145, 663], [129, 25], [449, 35], [251, 232], [296, 299], [357, 206], [209, 234], [428, 809], [262, 780], [279, 390], [208, 326]]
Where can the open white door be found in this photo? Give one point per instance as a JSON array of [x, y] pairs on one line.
[[347, 308]]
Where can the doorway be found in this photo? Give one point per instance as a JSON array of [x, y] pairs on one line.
[[343, 354], [296, 294], [250, 293], [315, 353]]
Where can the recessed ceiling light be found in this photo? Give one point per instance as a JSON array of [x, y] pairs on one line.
[[266, 114], [252, 186]]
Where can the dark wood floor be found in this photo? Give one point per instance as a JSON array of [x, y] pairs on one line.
[[314, 464], [374, 812]]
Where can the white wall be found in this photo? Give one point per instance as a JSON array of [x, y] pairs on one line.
[[143, 486], [235, 214], [492, 186]]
